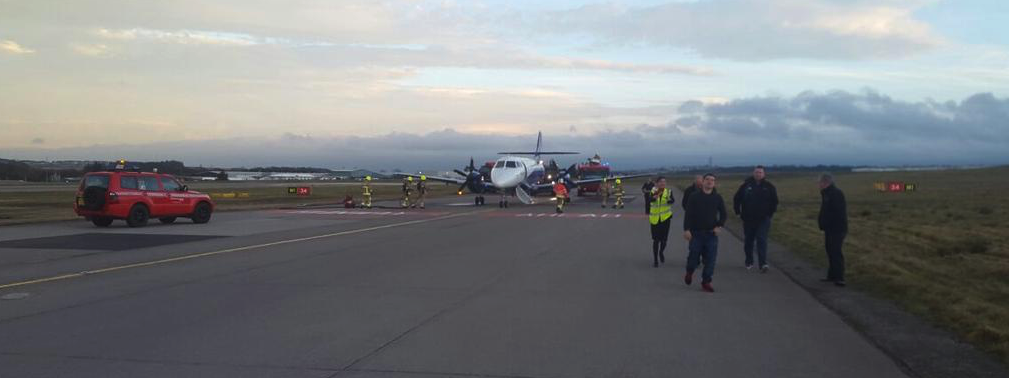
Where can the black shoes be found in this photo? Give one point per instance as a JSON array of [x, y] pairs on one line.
[[840, 283]]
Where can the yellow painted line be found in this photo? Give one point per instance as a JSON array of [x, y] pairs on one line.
[[221, 252]]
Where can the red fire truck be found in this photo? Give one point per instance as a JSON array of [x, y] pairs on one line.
[[594, 168]]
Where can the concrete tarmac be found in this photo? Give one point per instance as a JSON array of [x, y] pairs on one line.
[[453, 291]]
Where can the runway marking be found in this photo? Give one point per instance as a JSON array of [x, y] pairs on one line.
[[221, 252]]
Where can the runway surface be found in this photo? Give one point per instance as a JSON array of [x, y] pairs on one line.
[[453, 291]]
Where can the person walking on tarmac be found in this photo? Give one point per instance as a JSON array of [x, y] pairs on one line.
[[605, 189], [833, 221], [755, 202], [407, 191], [646, 191], [421, 192], [561, 193], [703, 222], [660, 214], [698, 182], [618, 191], [366, 192]]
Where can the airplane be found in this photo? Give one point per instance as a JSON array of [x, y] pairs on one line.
[[517, 175]]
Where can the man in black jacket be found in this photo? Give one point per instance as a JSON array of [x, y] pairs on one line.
[[755, 202], [833, 221], [703, 221], [646, 190], [698, 181]]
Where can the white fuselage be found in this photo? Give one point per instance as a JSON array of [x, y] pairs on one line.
[[510, 171]]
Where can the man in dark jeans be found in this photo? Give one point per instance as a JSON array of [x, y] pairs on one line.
[[703, 221], [833, 221], [755, 202]]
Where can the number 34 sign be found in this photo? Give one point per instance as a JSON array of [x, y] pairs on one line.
[[895, 187]]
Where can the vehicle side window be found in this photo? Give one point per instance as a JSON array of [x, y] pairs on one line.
[[170, 185], [128, 182], [499, 164], [148, 183], [96, 180]]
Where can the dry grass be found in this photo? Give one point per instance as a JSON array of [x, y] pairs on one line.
[[941, 252]]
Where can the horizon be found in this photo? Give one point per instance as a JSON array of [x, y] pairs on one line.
[[409, 84]]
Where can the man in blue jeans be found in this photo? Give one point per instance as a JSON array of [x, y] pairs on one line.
[[703, 221], [755, 202]]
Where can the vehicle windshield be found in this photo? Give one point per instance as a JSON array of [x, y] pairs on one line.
[[169, 184], [500, 164], [510, 164], [101, 181]]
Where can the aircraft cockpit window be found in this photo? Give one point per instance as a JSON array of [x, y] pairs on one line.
[[510, 164], [500, 164]]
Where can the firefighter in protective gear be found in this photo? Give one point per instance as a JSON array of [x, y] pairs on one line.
[[366, 192], [605, 189], [407, 191], [561, 193], [421, 192], [618, 192]]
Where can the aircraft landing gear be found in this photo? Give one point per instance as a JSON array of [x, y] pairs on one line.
[[503, 204], [479, 201]]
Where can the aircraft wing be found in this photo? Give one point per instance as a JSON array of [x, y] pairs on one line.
[[451, 180], [599, 180]]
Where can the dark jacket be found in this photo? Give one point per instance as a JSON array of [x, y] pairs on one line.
[[704, 212], [646, 191], [755, 201], [686, 195], [833, 210]]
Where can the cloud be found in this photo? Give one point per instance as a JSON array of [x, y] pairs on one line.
[[809, 128], [756, 30], [92, 50], [12, 47]]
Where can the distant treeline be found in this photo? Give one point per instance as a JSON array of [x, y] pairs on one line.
[[15, 170], [286, 169], [19, 170]]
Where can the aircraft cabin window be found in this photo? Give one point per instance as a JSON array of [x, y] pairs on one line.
[[510, 164], [499, 164]]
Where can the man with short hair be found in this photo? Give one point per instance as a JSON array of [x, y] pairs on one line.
[[703, 221], [755, 202], [698, 181], [833, 221]]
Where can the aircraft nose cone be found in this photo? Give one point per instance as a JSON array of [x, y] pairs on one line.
[[505, 178]]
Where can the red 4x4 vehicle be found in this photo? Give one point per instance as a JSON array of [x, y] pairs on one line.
[[137, 197]]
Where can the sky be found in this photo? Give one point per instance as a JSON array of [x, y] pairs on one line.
[[422, 84]]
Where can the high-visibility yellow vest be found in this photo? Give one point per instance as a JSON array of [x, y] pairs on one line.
[[660, 210]]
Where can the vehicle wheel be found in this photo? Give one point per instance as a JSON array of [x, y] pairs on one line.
[[201, 214], [138, 216], [101, 221], [167, 220], [476, 201]]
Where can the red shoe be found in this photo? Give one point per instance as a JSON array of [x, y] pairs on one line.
[[688, 279], [707, 287]]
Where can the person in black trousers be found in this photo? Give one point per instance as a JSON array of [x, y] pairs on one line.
[[660, 214], [703, 222], [755, 202], [833, 221]]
